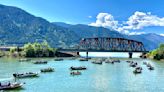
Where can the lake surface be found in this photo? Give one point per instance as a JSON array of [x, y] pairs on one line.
[[118, 77]]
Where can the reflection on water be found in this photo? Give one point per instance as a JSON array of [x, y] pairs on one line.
[[97, 78], [101, 79]]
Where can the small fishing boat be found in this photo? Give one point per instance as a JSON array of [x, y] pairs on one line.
[[40, 62], [128, 61], [75, 73], [151, 68], [148, 65], [133, 64], [83, 59], [24, 59], [140, 68], [145, 63], [109, 61], [78, 68], [58, 59], [117, 61], [23, 75], [72, 58], [137, 71], [47, 70], [97, 62], [10, 86]]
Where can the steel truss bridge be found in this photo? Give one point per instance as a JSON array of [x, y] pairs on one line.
[[106, 44], [111, 44]]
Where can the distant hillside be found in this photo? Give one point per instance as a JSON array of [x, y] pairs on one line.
[[151, 41], [90, 31]]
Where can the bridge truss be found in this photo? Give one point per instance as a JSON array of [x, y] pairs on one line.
[[111, 44]]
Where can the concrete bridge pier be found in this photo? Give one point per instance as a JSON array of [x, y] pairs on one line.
[[130, 54], [143, 55], [87, 55], [77, 53]]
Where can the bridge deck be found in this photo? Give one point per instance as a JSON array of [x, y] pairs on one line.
[[82, 50]]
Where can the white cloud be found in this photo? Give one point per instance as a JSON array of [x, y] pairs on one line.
[[136, 33], [137, 21], [162, 34], [105, 20], [140, 20], [130, 33]]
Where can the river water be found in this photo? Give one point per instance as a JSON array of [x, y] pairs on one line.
[[118, 77]]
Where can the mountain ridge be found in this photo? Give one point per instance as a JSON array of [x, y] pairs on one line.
[[150, 40]]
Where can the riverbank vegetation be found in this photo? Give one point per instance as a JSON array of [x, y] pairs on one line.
[[39, 50], [158, 53], [1, 53], [34, 50]]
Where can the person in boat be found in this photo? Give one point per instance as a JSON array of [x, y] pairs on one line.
[[9, 84], [0, 83]]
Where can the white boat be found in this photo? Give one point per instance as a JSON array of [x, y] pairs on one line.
[[23, 75], [24, 59], [83, 59], [109, 61], [137, 70], [10, 86]]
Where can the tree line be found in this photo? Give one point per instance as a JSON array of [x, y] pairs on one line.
[[158, 53], [35, 50]]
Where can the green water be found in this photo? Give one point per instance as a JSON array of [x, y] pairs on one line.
[[97, 78]]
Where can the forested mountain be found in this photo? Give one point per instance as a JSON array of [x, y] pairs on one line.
[[18, 27]]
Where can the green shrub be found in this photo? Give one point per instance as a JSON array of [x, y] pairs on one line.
[[158, 53], [39, 50]]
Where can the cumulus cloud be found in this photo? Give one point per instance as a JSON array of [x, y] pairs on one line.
[[162, 34], [105, 20], [140, 20], [137, 21]]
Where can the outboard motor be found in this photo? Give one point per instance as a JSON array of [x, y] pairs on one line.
[[14, 75]]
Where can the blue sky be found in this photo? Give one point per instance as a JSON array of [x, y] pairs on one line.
[[116, 12]]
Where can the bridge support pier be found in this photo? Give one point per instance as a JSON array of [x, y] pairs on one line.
[[143, 55], [130, 54], [87, 55], [77, 53]]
